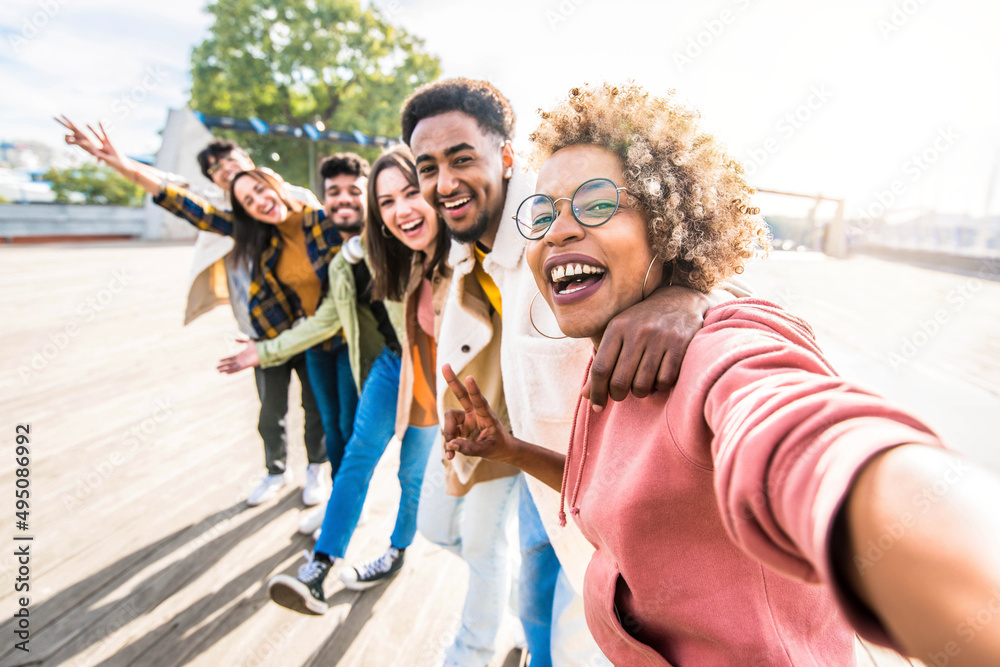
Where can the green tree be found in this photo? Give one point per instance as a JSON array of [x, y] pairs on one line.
[[303, 61], [97, 184]]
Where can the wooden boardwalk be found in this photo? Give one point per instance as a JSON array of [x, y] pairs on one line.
[[142, 455]]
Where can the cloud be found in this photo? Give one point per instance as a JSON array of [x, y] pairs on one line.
[[758, 60], [109, 60]]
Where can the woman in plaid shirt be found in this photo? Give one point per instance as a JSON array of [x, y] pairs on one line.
[[288, 246]]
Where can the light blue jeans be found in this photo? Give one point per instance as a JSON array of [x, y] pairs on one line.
[[474, 527], [373, 428]]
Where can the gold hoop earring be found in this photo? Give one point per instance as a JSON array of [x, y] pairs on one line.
[[385, 231], [655, 257], [531, 319]]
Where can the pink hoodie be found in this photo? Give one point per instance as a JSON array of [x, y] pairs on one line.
[[711, 506]]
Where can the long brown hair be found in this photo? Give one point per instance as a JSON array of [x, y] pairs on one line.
[[390, 258], [250, 235]]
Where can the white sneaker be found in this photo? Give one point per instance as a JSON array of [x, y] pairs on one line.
[[312, 520], [268, 488], [315, 491]]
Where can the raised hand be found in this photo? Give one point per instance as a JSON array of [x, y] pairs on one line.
[[246, 358], [476, 430], [108, 152], [643, 346], [76, 137]]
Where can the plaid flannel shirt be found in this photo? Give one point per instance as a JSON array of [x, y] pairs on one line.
[[274, 307]]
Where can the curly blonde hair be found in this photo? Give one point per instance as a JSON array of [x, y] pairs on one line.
[[692, 193]]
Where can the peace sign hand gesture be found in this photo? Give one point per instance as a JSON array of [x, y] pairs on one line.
[[476, 431], [108, 152], [76, 136]]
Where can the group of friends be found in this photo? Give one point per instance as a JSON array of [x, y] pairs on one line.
[[693, 484]]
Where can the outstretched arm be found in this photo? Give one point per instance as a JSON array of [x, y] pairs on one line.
[[320, 326], [824, 481], [477, 431], [178, 201], [246, 358], [918, 542], [148, 178], [78, 137]]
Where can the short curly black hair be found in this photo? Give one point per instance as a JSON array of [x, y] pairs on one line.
[[337, 164], [479, 99], [215, 151]]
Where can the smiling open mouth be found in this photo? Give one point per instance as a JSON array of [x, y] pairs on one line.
[[411, 227], [458, 203], [570, 278]]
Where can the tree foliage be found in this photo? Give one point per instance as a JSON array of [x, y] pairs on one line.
[[97, 184], [303, 61]]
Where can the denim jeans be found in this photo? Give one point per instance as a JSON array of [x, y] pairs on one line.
[[474, 527], [336, 398], [539, 571], [272, 389], [373, 428]]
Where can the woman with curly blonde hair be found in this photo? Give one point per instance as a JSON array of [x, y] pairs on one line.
[[693, 194], [732, 516]]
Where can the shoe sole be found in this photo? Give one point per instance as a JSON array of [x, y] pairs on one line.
[[293, 594]]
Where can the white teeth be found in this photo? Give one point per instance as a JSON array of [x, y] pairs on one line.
[[571, 271], [457, 204], [411, 225]]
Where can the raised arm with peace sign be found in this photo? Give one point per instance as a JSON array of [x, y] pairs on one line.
[[477, 431]]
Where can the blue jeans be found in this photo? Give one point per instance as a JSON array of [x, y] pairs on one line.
[[373, 428], [336, 398], [539, 572]]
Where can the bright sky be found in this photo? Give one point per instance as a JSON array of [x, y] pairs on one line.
[[847, 99]]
